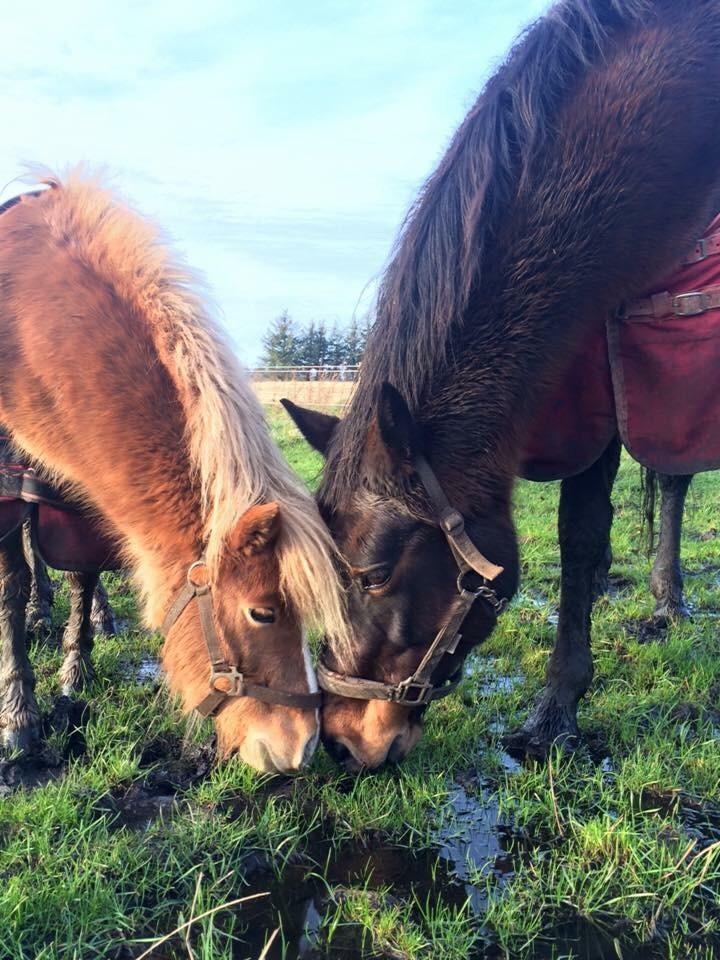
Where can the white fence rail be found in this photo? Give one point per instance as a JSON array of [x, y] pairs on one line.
[[343, 373]]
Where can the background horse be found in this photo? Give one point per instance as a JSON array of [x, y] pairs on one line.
[[582, 170], [115, 379], [35, 520]]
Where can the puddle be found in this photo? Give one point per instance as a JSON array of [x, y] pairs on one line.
[[530, 597], [468, 839], [490, 679], [148, 671], [471, 841], [700, 821]]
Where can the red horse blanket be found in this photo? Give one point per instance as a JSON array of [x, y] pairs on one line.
[[65, 536], [653, 375]]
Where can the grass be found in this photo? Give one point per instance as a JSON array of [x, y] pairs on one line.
[[601, 852]]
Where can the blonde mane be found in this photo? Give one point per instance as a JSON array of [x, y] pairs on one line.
[[229, 445]]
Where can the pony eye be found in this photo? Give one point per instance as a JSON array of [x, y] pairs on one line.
[[374, 579], [262, 614]]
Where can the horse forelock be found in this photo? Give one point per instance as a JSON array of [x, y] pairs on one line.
[[234, 460]]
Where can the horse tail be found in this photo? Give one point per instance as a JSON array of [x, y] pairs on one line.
[[649, 487]]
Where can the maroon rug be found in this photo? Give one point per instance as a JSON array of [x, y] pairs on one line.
[[653, 374]]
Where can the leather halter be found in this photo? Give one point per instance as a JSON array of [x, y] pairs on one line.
[[418, 689], [233, 683]]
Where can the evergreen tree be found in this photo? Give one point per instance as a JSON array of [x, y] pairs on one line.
[[313, 345], [353, 345], [363, 335], [280, 343], [336, 346]]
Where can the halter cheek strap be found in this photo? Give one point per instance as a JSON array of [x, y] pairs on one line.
[[226, 680], [418, 689]]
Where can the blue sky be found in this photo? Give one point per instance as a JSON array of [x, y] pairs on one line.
[[279, 143]]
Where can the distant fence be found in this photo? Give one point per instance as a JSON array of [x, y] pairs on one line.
[[308, 373], [311, 386]]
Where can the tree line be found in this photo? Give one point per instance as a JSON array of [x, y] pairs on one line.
[[287, 345]]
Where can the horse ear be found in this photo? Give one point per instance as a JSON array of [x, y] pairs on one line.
[[317, 428], [396, 426], [256, 530]]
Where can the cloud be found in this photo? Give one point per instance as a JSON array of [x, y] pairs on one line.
[[280, 143]]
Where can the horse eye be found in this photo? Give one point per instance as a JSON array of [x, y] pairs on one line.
[[262, 614], [374, 579]]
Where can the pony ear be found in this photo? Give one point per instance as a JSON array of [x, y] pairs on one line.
[[396, 426], [256, 530], [317, 428]]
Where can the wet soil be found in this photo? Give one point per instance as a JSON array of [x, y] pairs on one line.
[[473, 853], [67, 719], [652, 630]]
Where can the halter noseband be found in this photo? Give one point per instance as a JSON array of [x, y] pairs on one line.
[[220, 669], [418, 689]]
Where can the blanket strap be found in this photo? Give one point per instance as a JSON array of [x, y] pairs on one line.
[[663, 305]]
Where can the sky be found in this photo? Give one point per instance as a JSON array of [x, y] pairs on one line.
[[279, 144]]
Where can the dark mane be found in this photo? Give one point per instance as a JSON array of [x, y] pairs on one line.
[[449, 233]]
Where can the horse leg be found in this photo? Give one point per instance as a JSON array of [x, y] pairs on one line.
[[19, 713], [584, 523], [666, 580], [602, 572], [102, 616], [77, 669], [38, 614]]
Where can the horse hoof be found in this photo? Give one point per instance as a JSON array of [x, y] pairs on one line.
[[550, 725]]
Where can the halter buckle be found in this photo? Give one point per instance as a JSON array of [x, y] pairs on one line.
[[198, 586], [230, 674], [416, 693]]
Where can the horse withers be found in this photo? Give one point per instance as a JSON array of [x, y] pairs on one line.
[[574, 183], [117, 382]]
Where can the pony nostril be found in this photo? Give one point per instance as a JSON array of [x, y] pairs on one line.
[[338, 751]]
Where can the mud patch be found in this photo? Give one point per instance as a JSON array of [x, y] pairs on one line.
[[135, 808], [64, 725], [174, 765], [617, 585], [653, 630]]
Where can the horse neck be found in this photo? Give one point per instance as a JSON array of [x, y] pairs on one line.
[[155, 507]]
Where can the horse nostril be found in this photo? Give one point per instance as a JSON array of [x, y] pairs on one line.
[[338, 751]]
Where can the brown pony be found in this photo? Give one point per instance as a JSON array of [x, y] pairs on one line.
[[590, 161], [115, 378]]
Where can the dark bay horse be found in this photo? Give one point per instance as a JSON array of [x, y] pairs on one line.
[[586, 166], [116, 380]]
